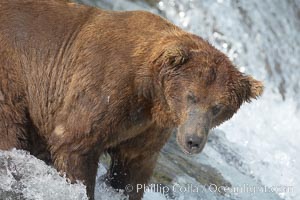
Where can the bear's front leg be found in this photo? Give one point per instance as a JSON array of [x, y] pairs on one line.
[[133, 161], [130, 173], [77, 166], [76, 159], [74, 142]]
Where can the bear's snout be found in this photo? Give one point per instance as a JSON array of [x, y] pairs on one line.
[[192, 133], [194, 144]]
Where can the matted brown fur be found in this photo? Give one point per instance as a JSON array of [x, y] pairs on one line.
[[77, 81]]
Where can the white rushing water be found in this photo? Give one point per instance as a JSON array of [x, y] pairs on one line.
[[22, 176], [259, 147]]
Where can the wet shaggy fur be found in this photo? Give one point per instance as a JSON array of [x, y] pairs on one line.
[[77, 81]]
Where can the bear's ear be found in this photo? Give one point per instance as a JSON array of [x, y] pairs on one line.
[[255, 87], [173, 56]]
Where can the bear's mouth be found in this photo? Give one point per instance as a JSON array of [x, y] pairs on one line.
[[185, 151]]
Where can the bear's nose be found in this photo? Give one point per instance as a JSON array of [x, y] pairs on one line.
[[194, 143]]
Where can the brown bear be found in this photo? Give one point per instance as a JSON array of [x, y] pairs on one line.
[[77, 81]]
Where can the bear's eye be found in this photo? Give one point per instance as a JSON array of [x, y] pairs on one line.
[[192, 98], [216, 109]]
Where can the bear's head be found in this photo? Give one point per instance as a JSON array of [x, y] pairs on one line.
[[201, 89]]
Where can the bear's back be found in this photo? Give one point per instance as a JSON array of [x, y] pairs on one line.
[[38, 24]]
